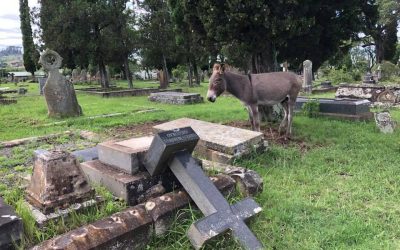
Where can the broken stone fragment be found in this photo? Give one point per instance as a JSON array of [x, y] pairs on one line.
[[11, 228], [248, 181]]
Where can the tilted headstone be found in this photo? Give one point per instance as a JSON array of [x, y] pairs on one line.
[[58, 92], [173, 148], [308, 75]]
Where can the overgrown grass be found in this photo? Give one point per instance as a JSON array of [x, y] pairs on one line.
[[334, 186]]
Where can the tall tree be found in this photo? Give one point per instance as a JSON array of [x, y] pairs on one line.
[[157, 36], [30, 55], [260, 33], [380, 25]]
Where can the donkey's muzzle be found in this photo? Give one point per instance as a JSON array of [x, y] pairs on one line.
[[211, 98]]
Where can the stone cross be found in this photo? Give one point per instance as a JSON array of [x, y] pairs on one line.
[[307, 73], [173, 148]]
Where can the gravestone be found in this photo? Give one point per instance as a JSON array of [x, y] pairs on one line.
[[340, 108], [175, 97], [75, 75], [384, 122], [308, 76], [83, 76], [58, 92], [368, 79], [57, 182], [218, 143], [173, 148], [42, 82], [11, 227]]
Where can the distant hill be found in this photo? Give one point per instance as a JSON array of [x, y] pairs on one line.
[[11, 57], [10, 51]]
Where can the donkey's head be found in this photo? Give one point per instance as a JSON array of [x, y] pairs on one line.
[[217, 83]]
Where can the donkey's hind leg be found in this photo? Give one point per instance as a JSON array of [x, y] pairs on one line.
[[251, 118], [291, 103], [284, 122], [256, 117]]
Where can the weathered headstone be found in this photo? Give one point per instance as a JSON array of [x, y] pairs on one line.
[[57, 182], [174, 148], [58, 92], [83, 76], [218, 143], [308, 76], [384, 122], [42, 82], [75, 75], [11, 228], [175, 97]]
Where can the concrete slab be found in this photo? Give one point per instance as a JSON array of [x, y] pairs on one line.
[[176, 98], [220, 138], [131, 188], [124, 155], [88, 154]]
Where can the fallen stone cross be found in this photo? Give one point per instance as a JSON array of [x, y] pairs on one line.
[[173, 148]]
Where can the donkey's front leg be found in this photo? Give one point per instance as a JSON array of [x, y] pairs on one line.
[[256, 117]]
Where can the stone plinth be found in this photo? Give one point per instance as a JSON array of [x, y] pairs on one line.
[[176, 98], [124, 92], [218, 142], [57, 181], [11, 228], [373, 93], [131, 188], [124, 155]]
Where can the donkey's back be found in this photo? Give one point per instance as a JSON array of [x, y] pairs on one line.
[[272, 88]]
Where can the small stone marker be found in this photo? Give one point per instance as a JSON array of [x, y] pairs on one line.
[[174, 147], [42, 82], [11, 228], [307, 74], [384, 122]]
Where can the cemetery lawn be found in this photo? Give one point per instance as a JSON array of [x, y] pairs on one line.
[[335, 185]]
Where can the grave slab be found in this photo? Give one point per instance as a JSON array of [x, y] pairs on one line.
[[175, 98], [351, 109], [125, 155], [11, 228], [131, 188], [218, 142]]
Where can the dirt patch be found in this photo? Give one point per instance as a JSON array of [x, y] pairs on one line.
[[272, 135], [129, 131]]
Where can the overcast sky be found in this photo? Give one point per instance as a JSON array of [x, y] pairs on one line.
[[10, 33]]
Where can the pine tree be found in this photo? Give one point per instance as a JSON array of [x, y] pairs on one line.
[[27, 38]]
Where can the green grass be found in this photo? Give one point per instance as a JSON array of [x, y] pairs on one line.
[[334, 186]]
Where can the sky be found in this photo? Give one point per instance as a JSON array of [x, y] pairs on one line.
[[10, 33]]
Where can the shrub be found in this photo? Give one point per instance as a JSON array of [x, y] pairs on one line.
[[388, 69], [179, 73], [311, 108]]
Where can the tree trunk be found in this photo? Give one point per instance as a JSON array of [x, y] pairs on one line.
[[165, 79], [190, 74], [128, 74], [262, 63], [379, 49], [103, 75], [196, 72]]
